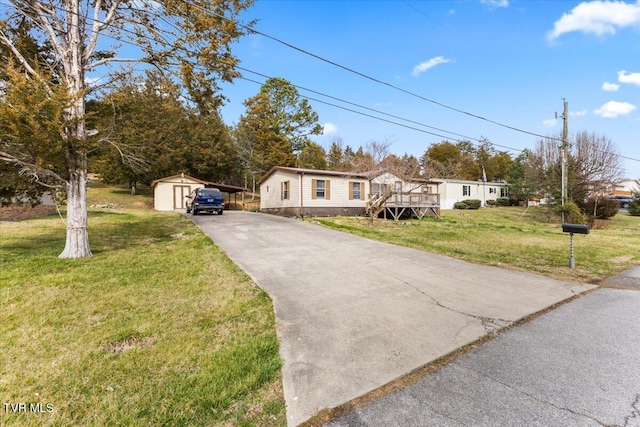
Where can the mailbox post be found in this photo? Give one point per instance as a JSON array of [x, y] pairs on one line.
[[574, 228]]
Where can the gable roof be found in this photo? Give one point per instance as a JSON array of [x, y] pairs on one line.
[[222, 187], [175, 177]]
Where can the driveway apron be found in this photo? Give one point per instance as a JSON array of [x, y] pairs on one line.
[[353, 314]]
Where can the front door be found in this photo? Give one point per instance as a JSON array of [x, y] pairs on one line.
[[179, 193]]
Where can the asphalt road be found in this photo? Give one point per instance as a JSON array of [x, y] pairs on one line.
[[578, 365], [354, 314]]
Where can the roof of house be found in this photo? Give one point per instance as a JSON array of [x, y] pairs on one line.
[[222, 187], [302, 171], [463, 181]]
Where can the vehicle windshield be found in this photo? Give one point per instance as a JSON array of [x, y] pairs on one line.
[[209, 192]]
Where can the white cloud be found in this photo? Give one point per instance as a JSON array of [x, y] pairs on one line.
[[597, 17], [610, 87], [495, 3], [633, 78], [578, 113], [329, 128], [424, 66], [613, 109], [549, 123]]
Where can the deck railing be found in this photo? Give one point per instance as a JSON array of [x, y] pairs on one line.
[[409, 199]]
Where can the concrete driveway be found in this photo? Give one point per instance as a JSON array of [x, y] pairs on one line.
[[354, 314]]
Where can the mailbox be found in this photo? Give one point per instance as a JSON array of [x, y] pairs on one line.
[[575, 228]]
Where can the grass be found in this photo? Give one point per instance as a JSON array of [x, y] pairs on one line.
[[159, 327], [514, 238]]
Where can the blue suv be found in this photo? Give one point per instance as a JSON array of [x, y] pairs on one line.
[[205, 200]]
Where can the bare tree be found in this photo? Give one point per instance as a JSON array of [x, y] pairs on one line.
[[594, 166], [193, 36], [600, 163]]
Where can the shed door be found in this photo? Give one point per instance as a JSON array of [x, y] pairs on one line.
[[179, 192]]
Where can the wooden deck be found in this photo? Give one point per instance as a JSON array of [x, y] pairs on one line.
[[397, 204]]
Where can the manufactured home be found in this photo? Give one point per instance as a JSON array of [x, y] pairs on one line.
[[299, 192], [454, 190]]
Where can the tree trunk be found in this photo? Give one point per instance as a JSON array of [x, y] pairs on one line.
[[77, 243], [133, 185]]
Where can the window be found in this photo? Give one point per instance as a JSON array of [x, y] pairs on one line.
[[320, 189], [466, 190], [504, 192], [284, 193], [492, 190], [356, 190]]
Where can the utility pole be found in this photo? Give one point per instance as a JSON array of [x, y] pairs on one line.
[[565, 155]]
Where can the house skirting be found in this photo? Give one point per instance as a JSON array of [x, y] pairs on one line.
[[316, 211]]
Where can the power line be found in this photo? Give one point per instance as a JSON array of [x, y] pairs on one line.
[[368, 77], [468, 138], [360, 106]]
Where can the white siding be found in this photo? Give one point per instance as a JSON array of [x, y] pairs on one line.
[[270, 193], [452, 191], [338, 191], [270, 190]]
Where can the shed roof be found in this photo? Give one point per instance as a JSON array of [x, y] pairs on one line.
[[222, 187]]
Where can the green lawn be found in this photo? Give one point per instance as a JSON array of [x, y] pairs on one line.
[[513, 237], [158, 328]]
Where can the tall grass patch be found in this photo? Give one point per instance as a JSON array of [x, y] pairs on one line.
[[158, 328]]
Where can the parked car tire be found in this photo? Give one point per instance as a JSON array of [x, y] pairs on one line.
[[220, 212], [195, 212], [625, 205]]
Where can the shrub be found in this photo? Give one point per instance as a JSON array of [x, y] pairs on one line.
[[503, 201], [634, 206], [572, 213], [605, 208], [492, 203], [468, 204], [473, 203]]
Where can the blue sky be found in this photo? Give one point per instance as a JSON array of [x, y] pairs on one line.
[[509, 61]]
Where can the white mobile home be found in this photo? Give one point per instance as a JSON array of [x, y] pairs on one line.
[[296, 192], [454, 190]]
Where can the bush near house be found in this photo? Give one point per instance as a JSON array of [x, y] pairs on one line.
[[468, 204]]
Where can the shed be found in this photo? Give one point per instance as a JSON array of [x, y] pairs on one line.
[[169, 193]]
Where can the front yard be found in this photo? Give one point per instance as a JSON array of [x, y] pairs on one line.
[[511, 237], [158, 328]]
